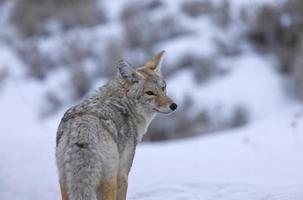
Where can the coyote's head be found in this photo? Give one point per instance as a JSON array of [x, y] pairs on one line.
[[146, 86]]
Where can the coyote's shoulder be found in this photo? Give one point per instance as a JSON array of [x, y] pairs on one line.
[[96, 139]]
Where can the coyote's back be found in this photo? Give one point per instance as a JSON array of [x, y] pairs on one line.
[[96, 139]]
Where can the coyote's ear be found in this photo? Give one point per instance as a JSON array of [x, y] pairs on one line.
[[155, 63], [127, 72]]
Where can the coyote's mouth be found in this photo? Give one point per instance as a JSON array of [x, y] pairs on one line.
[[162, 112]]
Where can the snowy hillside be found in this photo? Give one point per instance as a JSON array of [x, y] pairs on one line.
[[253, 148], [263, 160]]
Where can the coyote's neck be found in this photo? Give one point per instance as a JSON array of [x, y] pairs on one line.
[[113, 94], [142, 125]]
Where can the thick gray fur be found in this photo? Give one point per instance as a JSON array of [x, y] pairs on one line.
[[96, 139]]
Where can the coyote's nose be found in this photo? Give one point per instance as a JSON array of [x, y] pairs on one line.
[[173, 106]]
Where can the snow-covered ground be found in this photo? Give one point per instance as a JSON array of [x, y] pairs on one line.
[[263, 160]]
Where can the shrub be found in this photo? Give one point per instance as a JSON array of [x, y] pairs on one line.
[[4, 74], [114, 53], [221, 14], [298, 72], [79, 81], [38, 64], [204, 68], [196, 8], [279, 30], [144, 30], [135, 8], [240, 117], [51, 104], [228, 48], [31, 16]]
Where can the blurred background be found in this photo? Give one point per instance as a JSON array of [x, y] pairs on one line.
[[235, 68]]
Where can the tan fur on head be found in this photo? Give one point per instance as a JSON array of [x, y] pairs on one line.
[[156, 62]]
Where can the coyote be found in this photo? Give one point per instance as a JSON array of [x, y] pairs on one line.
[[96, 139]]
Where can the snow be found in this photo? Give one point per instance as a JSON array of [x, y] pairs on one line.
[[262, 160], [27, 161]]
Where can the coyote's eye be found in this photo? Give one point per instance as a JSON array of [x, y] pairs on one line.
[[150, 93]]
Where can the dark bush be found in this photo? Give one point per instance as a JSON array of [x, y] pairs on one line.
[[278, 30], [114, 53], [38, 64], [298, 72], [228, 48], [80, 82], [263, 33], [196, 8], [154, 4], [144, 30], [51, 104], [240, 116], [204, 68], [31, 16], [221, 14], [4, 74], [135, 8]]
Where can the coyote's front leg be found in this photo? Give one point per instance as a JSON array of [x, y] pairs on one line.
[[108, 190], [64, 194], [122, 187]]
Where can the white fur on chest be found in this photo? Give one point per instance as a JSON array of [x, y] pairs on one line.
[[143, 126]]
